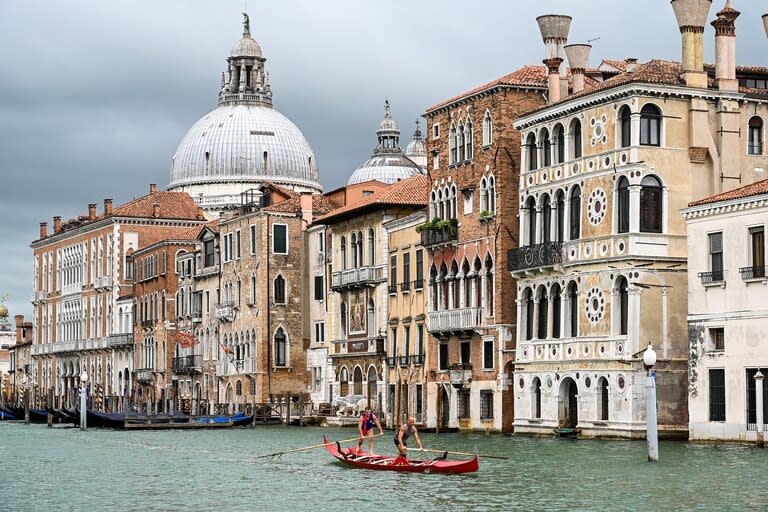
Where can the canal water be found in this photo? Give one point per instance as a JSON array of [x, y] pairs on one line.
[[63, 469]]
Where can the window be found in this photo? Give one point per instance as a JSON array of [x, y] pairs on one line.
[[443, 357], [406, 340], [530, 144], [492, 194], [488, 354], [393, 274], [536, 397], [716, 256], [573, 310], [575, 213], [603, 387], [464, 352], [252, 291], [279, 294], [321, 242], [281, 348], [371, 247], [546, 219], [461, 141], [420, 342], [469, 136], [622, 192], [210, 255], [227, 247], [556, 311], [319, 289], [483, 195], [528, 305], [419, 284], [575, 139], [650, 125], [757, 251], [463, 404], [253, 239], [435, 160], [530, 207], [755, 143], [546, 148], [717, 338], [717, 394], [452, 145], [625, 127], [436, 131], [279, 239], [543, 302], [237, 245], [651, 208], [486, 404], [343, 249], [623, 296], [393, 342], [560, 206], [487, 129], [559, 136]]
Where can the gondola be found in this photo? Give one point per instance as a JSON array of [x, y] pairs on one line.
[[7, 415], [35, 415], [364, 460]]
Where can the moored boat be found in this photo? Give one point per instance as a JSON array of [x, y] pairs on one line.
[[364, 460], [7, 415]]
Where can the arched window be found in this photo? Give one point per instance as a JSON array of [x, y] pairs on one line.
[[528, 305], [453, 202], [371, 318], [433, 206], [625, 127], [755, 144], [281, 348], [344, 382], [573, 310], [546, 148], [359, 248], [546, 219], [489, 289], [487, 129], [559, 135], [651, 208], [530, 206], [239, 388], [461, 141], [603, 394], [280, 290], [343, 316], [575, 212], [536, 398], [469, 136], [492, 194], [353, 249], [343, 244], [556, 311], [543, 300], [530, 144], [452, 143], [371, 247], [560, 207], [483, 195], [623, 303], [622, 193], [575, 139], [650, 125]]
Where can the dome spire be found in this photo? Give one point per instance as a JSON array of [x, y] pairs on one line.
[[244, 81], [388, 133], [246, 25]]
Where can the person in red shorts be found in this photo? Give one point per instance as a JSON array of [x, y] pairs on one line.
[[365, 426]]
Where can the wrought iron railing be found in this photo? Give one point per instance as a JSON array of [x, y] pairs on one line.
[[405, 286], [532, 256], [715, 276], [186, 364], [392, 362], [403, 361], [753, 272], [418, 284], [145, 375], [435, 236], [417, 360]]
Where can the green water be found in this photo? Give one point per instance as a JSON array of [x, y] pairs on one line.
[[63, 469]]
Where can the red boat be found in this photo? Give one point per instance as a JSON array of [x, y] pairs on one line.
[[364, 460]]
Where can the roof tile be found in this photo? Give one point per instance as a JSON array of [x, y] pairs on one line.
[[753, 189]]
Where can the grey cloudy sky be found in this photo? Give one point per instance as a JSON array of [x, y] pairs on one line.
[[95, 95]]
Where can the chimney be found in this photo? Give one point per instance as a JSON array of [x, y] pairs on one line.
[[554, 30], [691, 16], [725, 48], [306, 208], [155, 210], [152, 188], [553, 78], [57, 225], [92, 211], [631, 64], [107, 207], [43, 230], [19, 319], [765, 23], [578, 58]]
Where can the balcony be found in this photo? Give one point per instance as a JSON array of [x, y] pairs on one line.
[[225, 312], [535, 256], [712, 278], [187, 364], [39, 296], [405, 286], [391, 362], [439, 236], [460, 374], [418, 284], [417, 360], [358, 277], [403, 361], [145, 375], [147, 324], [102, 282], [236, 367], [753, 272], [120, 340], [455, 320], [392, 289]]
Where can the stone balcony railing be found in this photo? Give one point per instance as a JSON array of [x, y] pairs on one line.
[[460, 374], [188, 364], [455, 320], [120, 340], [102, 282], [357, 277], [225, 312], [235, 367], [535, 256], [145, 375], [60, 347]]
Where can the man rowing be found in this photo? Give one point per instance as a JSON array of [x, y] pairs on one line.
[[365, 426], [405, 431]]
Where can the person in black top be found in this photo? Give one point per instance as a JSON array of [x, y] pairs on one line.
[[407, 430]]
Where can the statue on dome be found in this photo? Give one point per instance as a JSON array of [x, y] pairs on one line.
[[246, 24]]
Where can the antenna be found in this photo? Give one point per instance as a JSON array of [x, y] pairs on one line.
[[589, 41]]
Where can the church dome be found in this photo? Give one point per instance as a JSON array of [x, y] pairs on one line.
[[388, 164], [246, 47], [417, 149]]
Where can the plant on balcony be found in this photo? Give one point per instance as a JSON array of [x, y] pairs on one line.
[[486, 214], [438, 225], [460, 366]]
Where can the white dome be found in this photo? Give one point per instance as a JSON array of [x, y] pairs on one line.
[[246, 47], [243, 143], [416, 148], [387, 168]]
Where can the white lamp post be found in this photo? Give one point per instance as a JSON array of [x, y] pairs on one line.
[[83, 405], [649, 359]]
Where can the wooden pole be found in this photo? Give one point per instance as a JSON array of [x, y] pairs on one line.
[[460, 453], [314, 446]]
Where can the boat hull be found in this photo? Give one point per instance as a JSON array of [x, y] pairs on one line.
[[363, 460]]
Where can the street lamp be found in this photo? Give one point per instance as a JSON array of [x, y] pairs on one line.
[[649, 360], [83, 406]]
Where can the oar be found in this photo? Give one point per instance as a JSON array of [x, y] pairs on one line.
[[461, 453], [314, 446]]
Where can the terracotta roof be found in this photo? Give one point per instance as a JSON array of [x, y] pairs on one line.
[[527, 76], [172, 205], [754, 189], [621, 65], [321, 205], [413, 191], [194, 232]]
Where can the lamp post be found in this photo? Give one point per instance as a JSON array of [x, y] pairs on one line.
[[83, 405], [759, 412], [649, 359]]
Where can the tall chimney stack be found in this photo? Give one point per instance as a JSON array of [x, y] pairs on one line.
[[92, 211], [152, 188], [57, 225], [691, 16], [553, 78], [107, 207], [554, 30], [43, 230], [765, 23], [725, 48], [578, 58]]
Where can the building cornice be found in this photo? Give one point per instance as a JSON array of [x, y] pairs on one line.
[[408, 221], [723, 207]]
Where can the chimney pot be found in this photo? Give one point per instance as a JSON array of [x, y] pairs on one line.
[[631, 64], [56, 224], [152, 188], [725, 48], [553, 78], [155, 210], [691, 16], [43, 230], [107, 207], [92, 211], [765, 23], [578, 58]]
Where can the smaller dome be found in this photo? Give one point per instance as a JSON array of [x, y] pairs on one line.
[[3, 311], [246, 47], [387, 168], [416, 148]]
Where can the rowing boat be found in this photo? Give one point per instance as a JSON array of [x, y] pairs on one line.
[[362, 460]]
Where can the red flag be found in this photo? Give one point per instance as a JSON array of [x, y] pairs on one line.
[[186, 339]]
